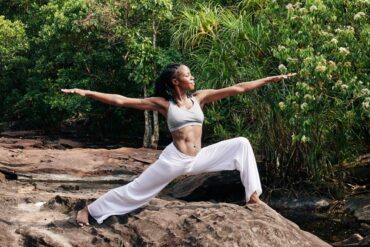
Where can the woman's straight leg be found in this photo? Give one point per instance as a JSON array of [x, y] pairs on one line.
[[137, 193]]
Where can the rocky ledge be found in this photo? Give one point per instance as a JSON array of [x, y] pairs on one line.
[[41, 190]]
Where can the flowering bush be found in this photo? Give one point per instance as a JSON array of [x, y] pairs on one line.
[[326, 109], [314, 120]]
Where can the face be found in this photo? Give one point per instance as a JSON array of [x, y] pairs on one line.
[[184, 79]]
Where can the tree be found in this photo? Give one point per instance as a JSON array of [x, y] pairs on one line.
[[13, 42], [145, 56]]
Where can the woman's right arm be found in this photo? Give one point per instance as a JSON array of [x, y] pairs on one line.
[[152, 104]]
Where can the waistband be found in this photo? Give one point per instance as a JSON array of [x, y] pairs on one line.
[[172, 152]]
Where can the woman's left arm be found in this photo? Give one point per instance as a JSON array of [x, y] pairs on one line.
[[211, 95]]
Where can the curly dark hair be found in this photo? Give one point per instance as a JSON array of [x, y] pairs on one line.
[[163, 84]]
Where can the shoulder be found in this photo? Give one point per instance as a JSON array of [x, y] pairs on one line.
[[159, 101], [157, 104], [201, 95]]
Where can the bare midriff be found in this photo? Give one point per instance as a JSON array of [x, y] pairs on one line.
[[188, 139]]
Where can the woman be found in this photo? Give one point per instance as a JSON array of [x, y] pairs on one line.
[[184, 155]]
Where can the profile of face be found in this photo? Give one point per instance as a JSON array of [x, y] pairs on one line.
[[183, 78]]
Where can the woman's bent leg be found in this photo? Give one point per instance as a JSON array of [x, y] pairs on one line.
[[231, 154], [135, 194]]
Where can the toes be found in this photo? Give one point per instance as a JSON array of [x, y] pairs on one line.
[[82, 224]]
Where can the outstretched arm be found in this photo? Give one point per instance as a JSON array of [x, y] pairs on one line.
[[211, 95], [151, 104]]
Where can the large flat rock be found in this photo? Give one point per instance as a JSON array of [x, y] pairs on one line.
[[43, 188]]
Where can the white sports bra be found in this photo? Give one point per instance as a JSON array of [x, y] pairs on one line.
[[178, 117]]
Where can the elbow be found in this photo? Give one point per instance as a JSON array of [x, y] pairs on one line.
[[240, 89], [119, 100]]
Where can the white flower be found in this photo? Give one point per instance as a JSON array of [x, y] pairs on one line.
[[305, 139], [344, 87], [344, 51], [292, 60], [308, 97], [350, 30], [313, 8], [282, 105], [347, 64], [302, 10], [338, 84], [334, 41], [365, 91], [324, 33], [320, 68], [364, 1], [289, 7], [332, 64], [281, 47], [366, 103], [294, 17], [304, 106], [359, 15], [282, 68]]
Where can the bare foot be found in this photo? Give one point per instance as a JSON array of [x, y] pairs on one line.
[[254, 199], [82, 217]]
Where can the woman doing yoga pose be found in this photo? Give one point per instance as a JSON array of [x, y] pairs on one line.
[[184, 155]]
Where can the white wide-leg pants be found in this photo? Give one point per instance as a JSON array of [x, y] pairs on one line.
[[230, 154]]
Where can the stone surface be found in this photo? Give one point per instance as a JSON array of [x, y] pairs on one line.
[[2, 178], [301, 203], [359, 206], [46, 187]]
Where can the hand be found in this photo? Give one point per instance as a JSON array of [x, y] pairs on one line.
[[280, 77], [80, 92]]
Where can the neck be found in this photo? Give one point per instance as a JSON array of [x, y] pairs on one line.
[[180, 96]]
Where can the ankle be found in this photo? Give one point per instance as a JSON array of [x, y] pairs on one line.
[[254, 198]]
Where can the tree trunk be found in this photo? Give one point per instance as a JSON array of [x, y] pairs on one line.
[[148, 125], [155, 134], [127, 6]]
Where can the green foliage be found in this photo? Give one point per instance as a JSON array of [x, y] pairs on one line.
[[99, 45], [326, 109], [13, 43], [304, 125], [12, 38]]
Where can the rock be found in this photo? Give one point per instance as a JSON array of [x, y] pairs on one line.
[[2, 178], [207, 186], [358, 170], [301, 203], [177, 223], [39, 204], [76, 162], [6, 237], [353, 240], [365, 242], [359, 206]]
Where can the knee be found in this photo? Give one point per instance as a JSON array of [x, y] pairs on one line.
[[244, 142]]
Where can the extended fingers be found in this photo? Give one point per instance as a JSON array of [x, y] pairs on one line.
[[288, 76], [68, 90]]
